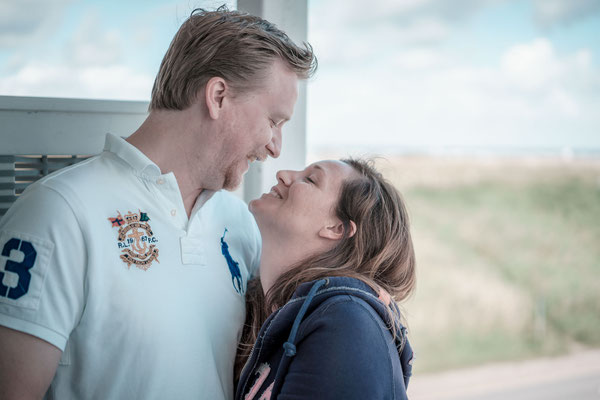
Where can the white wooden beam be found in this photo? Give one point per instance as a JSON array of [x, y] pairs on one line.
[[291, 16], [51, 126]]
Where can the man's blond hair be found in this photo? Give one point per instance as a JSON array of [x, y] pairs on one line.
[[235, 46]]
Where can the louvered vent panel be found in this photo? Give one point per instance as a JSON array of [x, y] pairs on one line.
[[18, 172]]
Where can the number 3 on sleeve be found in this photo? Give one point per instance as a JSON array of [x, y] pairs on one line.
[[20, 268]]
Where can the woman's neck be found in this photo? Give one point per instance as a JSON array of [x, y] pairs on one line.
[[278, 256]]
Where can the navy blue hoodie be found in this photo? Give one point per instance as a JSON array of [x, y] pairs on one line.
[[330, 341]]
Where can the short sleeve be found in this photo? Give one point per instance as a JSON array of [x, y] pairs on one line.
[[42, 266]]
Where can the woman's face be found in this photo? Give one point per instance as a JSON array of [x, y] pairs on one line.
[[303, 202]]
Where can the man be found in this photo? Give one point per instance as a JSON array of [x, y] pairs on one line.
[[124, 276]]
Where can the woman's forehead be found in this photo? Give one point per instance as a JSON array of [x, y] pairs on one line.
[[332, 171], [329, 166]]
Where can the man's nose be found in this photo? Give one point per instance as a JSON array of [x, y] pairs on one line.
[[274, 146]]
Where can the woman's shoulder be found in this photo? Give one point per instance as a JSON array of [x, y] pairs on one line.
[[347, 310], [345, 306], [340, 298]]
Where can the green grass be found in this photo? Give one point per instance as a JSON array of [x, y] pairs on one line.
[[465, 348], [508, 260]]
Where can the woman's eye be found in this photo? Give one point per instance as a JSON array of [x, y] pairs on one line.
[[309, 180]]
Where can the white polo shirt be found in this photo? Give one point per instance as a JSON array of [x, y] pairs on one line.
[[100, 260]]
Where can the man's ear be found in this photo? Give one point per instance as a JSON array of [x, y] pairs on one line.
[[335, 231], [214, 91]]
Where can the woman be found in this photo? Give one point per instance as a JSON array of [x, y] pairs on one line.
[[337, 254]]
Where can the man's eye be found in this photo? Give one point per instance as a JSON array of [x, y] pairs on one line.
[[309, 180]]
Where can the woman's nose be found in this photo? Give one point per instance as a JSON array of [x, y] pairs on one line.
[[284, 176]]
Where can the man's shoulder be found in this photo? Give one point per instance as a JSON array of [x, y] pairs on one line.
[[94, 170], [39, 210], [88, 181], [67, 190]]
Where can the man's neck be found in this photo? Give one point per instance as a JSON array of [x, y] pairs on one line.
[[163, 139]]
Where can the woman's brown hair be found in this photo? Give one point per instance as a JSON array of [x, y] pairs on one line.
[[380, 253]]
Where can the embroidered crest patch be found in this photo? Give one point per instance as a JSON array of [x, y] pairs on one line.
[[136, 239]]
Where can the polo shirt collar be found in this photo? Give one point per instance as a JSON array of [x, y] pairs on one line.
[[131, 155]]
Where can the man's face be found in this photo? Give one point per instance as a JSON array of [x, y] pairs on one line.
[[253, 131]]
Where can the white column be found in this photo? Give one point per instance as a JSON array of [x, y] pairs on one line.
[[291, 16]]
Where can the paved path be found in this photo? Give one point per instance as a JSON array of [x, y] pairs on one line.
[[571, 377]]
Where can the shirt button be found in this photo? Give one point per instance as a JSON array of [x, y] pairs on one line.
[[160, 181], [173, 212]]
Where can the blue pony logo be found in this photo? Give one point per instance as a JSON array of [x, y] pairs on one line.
[[234, 267]]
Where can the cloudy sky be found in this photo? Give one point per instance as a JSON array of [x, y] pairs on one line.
[[404, 73]]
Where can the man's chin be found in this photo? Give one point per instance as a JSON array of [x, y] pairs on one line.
[[232, 182], [233, 179], [231, 187]]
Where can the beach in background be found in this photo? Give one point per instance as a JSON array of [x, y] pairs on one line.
[[508, 256]]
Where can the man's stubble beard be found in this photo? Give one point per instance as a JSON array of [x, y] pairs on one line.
[[231, 180]]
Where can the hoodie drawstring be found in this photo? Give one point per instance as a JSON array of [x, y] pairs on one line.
[[290, 348]]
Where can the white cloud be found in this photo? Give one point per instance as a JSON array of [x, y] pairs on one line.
[[549, 13], [422, 31], [532, 65], [89, 65], [338, 13], [418, 59], [111, 82], [348, 31], [24, 21], [92, 45], [377, 43], [560, 83], [92, 62], [532, 97]]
